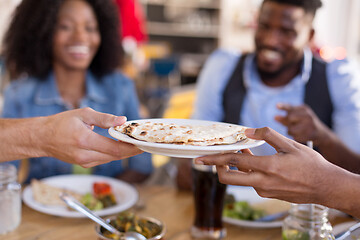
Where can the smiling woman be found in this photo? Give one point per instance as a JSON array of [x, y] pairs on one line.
[[77, 38], [25, 38], [64, 54]]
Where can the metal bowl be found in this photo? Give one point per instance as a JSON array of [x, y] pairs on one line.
[[159, 236]]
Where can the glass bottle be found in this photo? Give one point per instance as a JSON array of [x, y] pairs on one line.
[[10, 198], [307, 222]]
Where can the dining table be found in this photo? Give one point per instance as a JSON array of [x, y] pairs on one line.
[[173, 207]]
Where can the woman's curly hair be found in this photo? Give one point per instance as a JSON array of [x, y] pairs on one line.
[[28, 41]]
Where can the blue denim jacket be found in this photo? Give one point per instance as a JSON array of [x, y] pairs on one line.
[[114, 93]]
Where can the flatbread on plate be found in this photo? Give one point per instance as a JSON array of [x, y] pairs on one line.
[[49, 195], [197, 135]]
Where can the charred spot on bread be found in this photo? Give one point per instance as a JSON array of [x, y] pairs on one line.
[[128, 130]]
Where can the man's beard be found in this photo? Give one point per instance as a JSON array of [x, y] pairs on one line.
[[277, 73], [271, 75]]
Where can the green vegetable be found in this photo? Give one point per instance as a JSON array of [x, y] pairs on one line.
[[91, 202], [107, 200], [242, 210]]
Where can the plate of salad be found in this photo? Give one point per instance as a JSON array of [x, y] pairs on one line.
[[103, 195]]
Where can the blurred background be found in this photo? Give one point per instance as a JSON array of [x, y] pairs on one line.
[[173, 39], [181, 35]]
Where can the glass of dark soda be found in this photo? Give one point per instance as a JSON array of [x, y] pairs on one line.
[[209, 196]]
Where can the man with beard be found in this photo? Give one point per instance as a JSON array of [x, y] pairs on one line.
[[282, 85]]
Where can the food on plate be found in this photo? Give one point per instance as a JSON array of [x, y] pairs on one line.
[[101, 196], [103, 192], [91, 202], [198, 135], [130, 222], [49, 195], [241, 210]]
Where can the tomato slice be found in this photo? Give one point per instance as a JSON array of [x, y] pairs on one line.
[[101, 188]]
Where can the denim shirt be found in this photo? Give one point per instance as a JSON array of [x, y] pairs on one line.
[[259, 107], [114, 93]]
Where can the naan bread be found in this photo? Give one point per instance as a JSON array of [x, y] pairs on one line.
[[198, 135], [49, 195]]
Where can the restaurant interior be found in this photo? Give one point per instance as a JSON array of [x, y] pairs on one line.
[[164, 62]]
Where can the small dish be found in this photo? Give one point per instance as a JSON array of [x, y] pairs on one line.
[[158, 236]]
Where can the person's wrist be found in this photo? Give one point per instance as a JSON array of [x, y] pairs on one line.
[[39, 137], [324, 139], [350, 193], [342, 191]]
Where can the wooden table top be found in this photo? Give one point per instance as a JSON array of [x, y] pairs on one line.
[[174, 208]]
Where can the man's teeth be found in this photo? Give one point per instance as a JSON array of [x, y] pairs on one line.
[[79, 49], [271, 55]]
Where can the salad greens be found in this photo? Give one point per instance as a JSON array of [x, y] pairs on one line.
[[91, 202], [102, 197], [241, 210]]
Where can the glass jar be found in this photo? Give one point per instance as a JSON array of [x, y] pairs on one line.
[[307, 222], [10, 198]]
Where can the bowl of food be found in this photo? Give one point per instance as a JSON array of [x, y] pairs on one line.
[[151, 228]]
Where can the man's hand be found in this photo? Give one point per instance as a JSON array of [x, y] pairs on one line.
[[302, 123], [296, 173], [68, 136]]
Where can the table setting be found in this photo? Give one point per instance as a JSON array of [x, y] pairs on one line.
[[182, 215], [172, 207]]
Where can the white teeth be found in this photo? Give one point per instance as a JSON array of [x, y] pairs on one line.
[[79, 49], [271, 55]]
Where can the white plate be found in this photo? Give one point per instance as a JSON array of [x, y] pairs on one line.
[[183, 151], [125, 194], [249, 194]]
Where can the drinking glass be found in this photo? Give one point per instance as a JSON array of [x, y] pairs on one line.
[[10, 199], [209, 196]]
